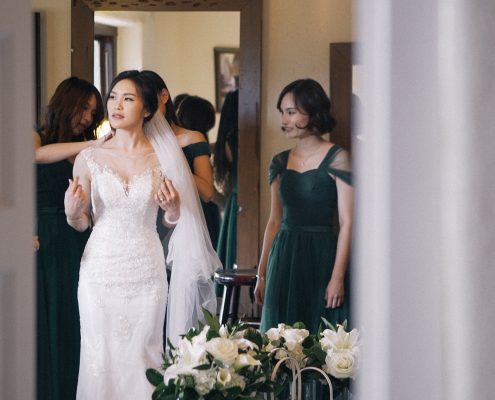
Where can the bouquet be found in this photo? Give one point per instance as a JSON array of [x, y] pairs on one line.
[[214, 362], [333, 351]]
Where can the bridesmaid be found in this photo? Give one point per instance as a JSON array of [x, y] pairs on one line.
[[72, 116], [198, 114], [303, 266]]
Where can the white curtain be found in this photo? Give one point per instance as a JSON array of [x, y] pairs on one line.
[[425, 269]]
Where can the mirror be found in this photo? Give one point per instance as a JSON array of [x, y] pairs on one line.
[[82, 33]]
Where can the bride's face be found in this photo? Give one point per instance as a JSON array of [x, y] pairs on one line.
[[125, 106]]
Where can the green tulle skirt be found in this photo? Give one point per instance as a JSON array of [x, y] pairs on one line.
[[227, 239], [299, 268]]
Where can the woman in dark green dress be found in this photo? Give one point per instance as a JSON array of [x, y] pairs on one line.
[[72, 115], [302, 273], [198, 114], [225, 173]]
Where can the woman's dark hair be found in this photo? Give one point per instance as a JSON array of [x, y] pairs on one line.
[[159, 85], [178, 99], [68, 103], [311, 99], [144, 86], [196, 114]]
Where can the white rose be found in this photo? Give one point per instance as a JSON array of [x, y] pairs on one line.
[[279, 354], [205, 381], [269, 347], [341, 364], [339, 340], [273, 334], [223, 350], [244, 360], [224, 377], [245, 344], [295, 335], [238, 381]]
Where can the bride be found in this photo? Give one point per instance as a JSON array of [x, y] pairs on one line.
[[122, 292]]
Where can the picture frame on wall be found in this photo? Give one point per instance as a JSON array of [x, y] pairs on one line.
[[226, 73]]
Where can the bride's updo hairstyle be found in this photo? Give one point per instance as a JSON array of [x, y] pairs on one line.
[[310, 99], [144, 87]]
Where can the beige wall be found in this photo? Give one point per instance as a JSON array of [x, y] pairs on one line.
[[296, 38], [55, 16], [186, 41]]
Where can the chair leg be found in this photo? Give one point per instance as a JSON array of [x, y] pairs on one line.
[[234, 307], [224, 309]]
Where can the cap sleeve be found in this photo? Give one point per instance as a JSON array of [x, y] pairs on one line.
[[339, 165], [200, 149], [278, 164]]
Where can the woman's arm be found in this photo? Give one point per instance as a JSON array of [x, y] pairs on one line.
[[203, 177], [272, 228], [76, 201], [334, 295], [55, 152]]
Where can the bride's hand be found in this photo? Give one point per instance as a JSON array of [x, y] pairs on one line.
[[75, 200], [168, 199]]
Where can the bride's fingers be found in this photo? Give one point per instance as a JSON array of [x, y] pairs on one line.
[[170, 186]]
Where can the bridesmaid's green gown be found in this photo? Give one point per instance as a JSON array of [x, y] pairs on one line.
[[227, 240], [58, 260], [210, 209], [301, 258]]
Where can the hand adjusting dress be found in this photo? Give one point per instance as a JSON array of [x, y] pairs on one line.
[[122, 285], [303, 252]]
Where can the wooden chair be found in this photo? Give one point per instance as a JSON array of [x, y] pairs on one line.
[[232, 281]]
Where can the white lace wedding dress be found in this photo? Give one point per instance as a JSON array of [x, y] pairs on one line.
[[122, 283]]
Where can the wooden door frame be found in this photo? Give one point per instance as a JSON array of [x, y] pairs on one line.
[[82, 31]]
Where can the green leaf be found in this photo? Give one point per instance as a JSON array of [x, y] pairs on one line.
[[189, 394], [234, 391], [163, 392], [211, 334], [203, 367], [211, 320], [308, 342], [170, 346], [254, 336], [299, 325], [154, 377], [328, 324]]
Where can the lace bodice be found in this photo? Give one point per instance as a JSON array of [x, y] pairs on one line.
[[122, 246]]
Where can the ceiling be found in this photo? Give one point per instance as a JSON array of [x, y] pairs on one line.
[[166, 5]]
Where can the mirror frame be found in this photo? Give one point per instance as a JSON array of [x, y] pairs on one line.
[[82, 32]]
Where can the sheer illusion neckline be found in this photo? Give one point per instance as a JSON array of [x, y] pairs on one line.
[[312, 169], [128, 182]]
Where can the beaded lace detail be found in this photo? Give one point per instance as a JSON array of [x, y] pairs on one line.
[[122, 282]]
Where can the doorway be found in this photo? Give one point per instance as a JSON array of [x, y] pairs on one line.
[[82, 34]]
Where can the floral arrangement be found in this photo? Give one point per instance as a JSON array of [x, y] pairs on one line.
[[332, 350], [214, 363], [228, 362]]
